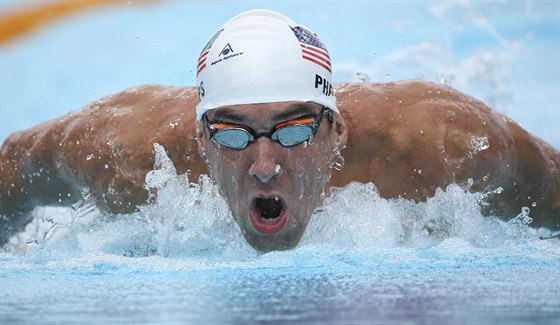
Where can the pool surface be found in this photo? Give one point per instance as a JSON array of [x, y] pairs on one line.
[[363, 259]]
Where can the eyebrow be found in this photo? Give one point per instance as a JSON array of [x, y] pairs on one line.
[[292, 111]]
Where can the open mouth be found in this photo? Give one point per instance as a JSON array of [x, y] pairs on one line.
[[268, 214]]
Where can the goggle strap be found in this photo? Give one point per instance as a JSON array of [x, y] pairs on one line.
[[221, 126], [294, 122]]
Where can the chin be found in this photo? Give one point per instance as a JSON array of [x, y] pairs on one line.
[[266, 244], [288, 237]]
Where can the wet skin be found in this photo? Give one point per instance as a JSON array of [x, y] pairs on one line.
[[272, 190], [394, 130]]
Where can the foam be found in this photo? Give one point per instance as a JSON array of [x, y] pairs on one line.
[[189, 220]]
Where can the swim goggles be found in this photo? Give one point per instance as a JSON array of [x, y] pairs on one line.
[[289, 133]]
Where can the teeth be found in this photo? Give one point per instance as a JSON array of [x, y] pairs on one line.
[[269, 221]]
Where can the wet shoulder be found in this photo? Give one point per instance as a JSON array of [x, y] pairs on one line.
[[413, 117], [352, 96], [149, 95]]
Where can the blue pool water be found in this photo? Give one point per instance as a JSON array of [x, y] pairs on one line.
[[363, 259], [377, 287]]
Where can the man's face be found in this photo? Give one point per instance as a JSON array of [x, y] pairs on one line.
[[272, 190]]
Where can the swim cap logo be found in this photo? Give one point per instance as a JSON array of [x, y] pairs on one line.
[[225, 51], [225, 54]]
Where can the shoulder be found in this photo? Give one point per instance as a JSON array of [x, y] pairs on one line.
[[412, 106], [415, 121], [401, 94], [149, 94]]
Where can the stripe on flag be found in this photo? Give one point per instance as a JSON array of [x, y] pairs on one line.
[[202, 61], [311, 48], [202, 58]]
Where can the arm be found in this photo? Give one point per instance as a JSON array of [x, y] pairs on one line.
[[29, 176], [106, 148], [410, 138]]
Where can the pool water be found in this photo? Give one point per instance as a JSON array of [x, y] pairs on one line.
[[303, 286], [363, 259]]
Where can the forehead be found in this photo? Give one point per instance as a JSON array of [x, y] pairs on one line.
[[279, 111]]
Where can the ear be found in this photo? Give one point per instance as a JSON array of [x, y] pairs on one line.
[[340, 130]]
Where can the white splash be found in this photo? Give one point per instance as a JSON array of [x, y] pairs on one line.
[[191, 220]]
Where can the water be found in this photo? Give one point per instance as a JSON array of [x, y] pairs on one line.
[[362, 259], [383, 287]]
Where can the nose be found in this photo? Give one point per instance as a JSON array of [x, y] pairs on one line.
[[264, 166]]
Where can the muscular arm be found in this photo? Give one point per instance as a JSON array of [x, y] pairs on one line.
[[29, 176], [106, 148], [412, 137]]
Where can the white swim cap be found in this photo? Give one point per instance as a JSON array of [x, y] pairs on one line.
[[261, 56]]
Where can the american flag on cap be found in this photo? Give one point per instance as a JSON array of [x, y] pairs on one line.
[[311, 48], [204, 54]]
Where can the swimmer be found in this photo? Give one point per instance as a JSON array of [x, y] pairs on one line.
[[264, 122]]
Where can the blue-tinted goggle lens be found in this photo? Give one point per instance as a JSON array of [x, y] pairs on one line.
[[238, 138], [235, 138], [291, 135]]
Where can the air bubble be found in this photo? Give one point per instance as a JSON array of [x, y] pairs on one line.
[[89, 157]]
